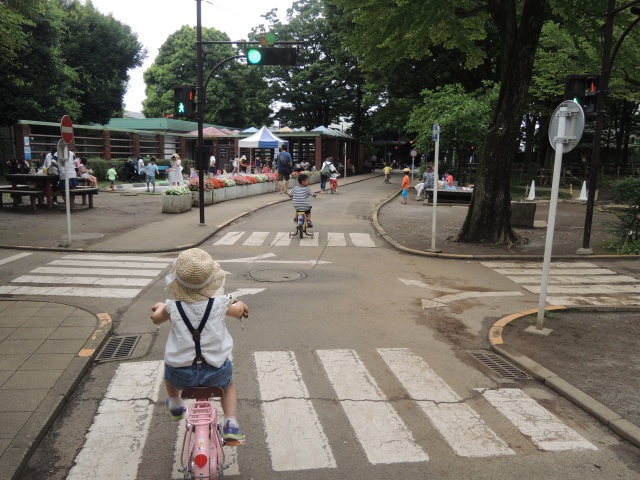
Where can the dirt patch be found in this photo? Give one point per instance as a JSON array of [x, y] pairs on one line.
[[575, 351]]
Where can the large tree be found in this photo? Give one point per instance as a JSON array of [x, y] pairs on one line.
[[63, 57], [384, 31], [236, 95], [323, 87]]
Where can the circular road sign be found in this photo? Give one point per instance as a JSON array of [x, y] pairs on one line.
[[66, 129], [413, 153], [573, 128]]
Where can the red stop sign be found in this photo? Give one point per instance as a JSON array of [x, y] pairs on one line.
[[66, 129]]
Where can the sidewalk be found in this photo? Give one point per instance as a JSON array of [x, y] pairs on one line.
[[46, 347]]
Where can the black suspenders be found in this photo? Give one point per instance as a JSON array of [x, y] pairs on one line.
[[196, 333]]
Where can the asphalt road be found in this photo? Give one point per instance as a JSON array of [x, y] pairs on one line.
[[339, 311]]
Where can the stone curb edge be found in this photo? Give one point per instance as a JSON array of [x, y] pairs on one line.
[[151, 250], [608, 417], [450, 256], [18, 453]]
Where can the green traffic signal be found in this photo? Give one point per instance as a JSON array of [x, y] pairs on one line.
[[272, 56], [254, 56]]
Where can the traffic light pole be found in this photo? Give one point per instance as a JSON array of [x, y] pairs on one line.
[[200, 112]]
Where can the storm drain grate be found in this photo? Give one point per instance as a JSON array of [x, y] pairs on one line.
[[499, 365], [118, 348]]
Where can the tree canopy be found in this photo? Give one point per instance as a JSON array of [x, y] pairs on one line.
[[236, 95], [63, 57]]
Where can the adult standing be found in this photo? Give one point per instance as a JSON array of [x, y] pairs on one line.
[[325, 172], [212, 165], [175, 172], [69, 170], [258, 163], [285, 167], [141, 170], [52, 155]]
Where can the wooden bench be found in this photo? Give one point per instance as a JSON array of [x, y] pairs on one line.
[[17, 194], [82, 191], [449, 196]]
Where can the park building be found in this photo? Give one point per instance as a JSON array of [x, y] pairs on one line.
[[124, 138]]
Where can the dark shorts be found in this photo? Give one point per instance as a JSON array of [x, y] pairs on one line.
[[73, 183], [302, 209], [284, 176], [200, 376]]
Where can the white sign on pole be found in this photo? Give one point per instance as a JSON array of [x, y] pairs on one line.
[[436, 138], [565, 131]]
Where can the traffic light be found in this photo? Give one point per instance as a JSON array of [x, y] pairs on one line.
[[583, 89], [272, 56], [184, 100]]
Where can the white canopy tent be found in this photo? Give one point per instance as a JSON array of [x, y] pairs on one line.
[[263, 138]]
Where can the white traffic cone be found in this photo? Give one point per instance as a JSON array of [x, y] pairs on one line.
[[532, 192], [583, 192]]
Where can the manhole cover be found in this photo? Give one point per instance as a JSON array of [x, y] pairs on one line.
[[499, 365], [118, 348], [275, 275]]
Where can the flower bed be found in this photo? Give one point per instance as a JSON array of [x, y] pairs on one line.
[[176, 200]]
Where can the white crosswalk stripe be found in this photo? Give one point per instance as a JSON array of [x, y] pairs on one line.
[[362, 400], [578, 283], [283, 239], [456, 421], [293, 430], [105, 276]]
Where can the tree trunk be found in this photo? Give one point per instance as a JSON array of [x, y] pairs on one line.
[[489, 217]]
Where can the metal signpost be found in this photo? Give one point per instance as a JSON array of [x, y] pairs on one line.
[[565, 131], [66, 130], [435, 138], [414, 154]]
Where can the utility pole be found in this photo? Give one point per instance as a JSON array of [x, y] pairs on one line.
[[200, 112]]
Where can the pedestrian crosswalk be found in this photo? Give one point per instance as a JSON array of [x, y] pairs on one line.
[[106, 276], [282, 239], [294, 434], [573, 283]]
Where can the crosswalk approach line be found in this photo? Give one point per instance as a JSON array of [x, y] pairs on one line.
[[385, 440], [116, 439], [294, 434], [456, 421]]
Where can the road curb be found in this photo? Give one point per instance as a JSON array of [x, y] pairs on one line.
[[608, 417], [24, 444], [449, 256]]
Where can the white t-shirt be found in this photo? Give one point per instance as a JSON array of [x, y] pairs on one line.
[[212, 161], [216, 343]]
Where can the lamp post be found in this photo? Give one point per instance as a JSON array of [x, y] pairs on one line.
[[605, 73]]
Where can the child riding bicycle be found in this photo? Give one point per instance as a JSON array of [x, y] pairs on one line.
[[300, 195], [333, 181], [198, 348]]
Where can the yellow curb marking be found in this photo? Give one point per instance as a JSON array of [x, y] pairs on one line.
[[104, 324], [495, 332]]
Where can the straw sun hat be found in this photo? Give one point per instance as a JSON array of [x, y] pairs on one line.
[[196, 277]]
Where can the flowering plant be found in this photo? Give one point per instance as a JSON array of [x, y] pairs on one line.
[[194, 185], [273, 177], [228, 182], [182, 190], [261, 178], [218, 183], [240, 179]]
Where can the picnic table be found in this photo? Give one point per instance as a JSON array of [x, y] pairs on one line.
[[36, 186]]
